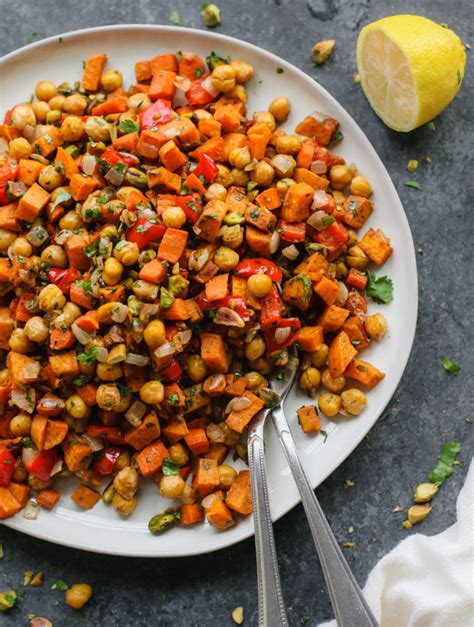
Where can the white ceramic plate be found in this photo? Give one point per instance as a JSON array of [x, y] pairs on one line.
[[101, 529]]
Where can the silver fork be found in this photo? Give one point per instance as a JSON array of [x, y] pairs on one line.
[[349, 604]]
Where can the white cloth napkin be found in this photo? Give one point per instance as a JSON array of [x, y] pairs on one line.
[[428, 581]]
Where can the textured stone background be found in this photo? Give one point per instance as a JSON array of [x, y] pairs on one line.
[[429, 406]]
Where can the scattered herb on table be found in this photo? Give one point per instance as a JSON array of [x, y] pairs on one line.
[[444, 469], [451, 366]]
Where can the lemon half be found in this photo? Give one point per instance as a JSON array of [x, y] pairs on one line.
[[410, 68]]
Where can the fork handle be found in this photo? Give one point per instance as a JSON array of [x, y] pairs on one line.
[[271, 608], [350, 607]]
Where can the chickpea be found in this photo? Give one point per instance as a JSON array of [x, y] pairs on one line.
[[69, 314], [78, 595], [152, 392], [19, 342], [240, 157], [124, 507], [260, 284], [111, 80], [340, 176], [227, 474], [329, 404], [353, 401], [284, 166], [261, 365], [188, 495], [41, 110], [21, 246], [280, 108], [240, 178], [178, 454], [108, 396], [333, 384], [255, 380], [287, 144], [319, 357], [20, 473], [54, 255], [243, 71], [97, 129], [72, 129], [215, 191], [123, 461], [224, 77], [232, 236], [154, 334], [112, 272], [77, 407], [126, 482], [36, 330], [224, 177], [6, 239], [20, 425], [57, 102], [76, 104], [171, 486], [284, 185], [265, 117], [4, 376], [51, 298], [360, 186], [310, 379], [109, 372], [144, 290], [376, 326], [196, 368], [263, 174], [50, 178], [126, 252], [139, 102], [255, 349], [70, 221], [174, 217], [22, 116], [19, 148], [45, 90], [225, 258], [356, 258], [239, 92]]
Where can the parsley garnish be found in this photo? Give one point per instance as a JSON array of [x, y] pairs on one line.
[[174, 18], [91, 249], [90, 357], [80, 381], [338, 135], [213, 60], [31, 37], [197, 73], [59, 585], [327, 221], [450, 366], [325, 434], [444, 469], [170, 467], [129, 126], [173, 398], [412, 183], [380, 289]]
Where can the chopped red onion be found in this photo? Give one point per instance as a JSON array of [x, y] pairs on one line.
[[137, 360], [237, 403], [119, 313], [96, 444], [281, 335], [62, 237], [209, 500], [27, 455], [88, 164], [31, 510], [81, 336], [102, 354], [274, 242], [57, 468], [135, 413], [165, 350], [316, 219], [228, 317], [318, 167], [208, 86], [24, 400], [319, 199], [290, 252]]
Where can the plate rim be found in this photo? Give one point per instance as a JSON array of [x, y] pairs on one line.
[[407, 235]]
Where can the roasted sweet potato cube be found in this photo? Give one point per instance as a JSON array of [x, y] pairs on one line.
[[357, 210], [376, 246]]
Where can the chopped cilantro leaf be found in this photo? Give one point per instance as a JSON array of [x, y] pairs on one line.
[[444, 469], [59, 584], [451, 366], [170, 467], [380, 289], [174, 18], [90, 357], [31, 37], [129, 126], [412, 183]]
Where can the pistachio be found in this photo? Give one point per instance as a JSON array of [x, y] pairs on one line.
[[7, 600], [425, 492], [321, 51], [238, 615], [161, 522]]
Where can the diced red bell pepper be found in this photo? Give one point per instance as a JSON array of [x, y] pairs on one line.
[[334, 236], [63, 278], [191, 205], [207, 168], [273, 345], [42, 464], [196, 94], [7, 467], [248, 267], [143, 232], [292, 231], [357, 279], [105, 461], [173, 372], [8, 172], [112, 157], [270, 313], [160, 112]]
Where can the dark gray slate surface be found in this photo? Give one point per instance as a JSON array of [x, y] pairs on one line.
[[429, 405]]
